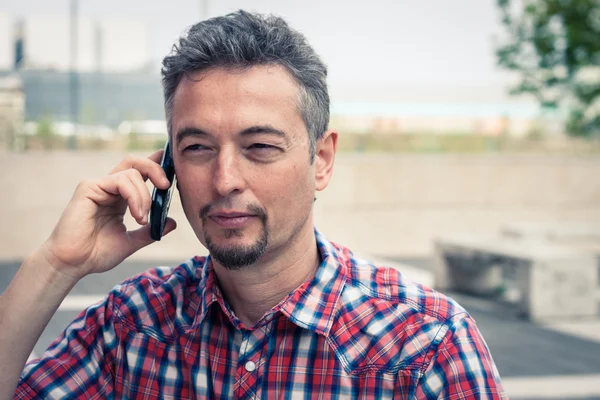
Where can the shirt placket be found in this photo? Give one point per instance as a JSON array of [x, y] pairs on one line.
[[250, 363]]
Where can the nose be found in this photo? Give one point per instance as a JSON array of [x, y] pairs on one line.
[[227, 177]]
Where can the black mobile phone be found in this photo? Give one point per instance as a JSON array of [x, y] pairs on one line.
[[161, 198]]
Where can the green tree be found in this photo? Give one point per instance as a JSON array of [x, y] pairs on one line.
[[554, 46], [45, 131]]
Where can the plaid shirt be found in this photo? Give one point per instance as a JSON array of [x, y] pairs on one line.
[[355, 331]]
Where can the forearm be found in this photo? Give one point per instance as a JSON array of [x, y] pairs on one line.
[[26, 307]]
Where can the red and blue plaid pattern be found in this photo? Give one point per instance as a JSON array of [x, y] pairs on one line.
[[355, 331]]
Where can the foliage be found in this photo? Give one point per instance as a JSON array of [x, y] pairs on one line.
[[133, 143], [45, 132], [554, 46], [45, 127]]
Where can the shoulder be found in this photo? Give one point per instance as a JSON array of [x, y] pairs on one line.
[[386, 322], [382, 284], [162, 299]]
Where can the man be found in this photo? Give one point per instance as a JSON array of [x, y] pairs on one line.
[[276, 310]]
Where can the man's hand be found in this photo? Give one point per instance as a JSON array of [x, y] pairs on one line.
[[90, 236]]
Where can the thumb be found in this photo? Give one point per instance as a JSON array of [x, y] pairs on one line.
[[170, 226], [140, 238]]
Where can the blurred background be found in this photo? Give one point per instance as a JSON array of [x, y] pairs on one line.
[[469, 151]]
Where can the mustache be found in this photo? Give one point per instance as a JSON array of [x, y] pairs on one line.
[[250, 208]]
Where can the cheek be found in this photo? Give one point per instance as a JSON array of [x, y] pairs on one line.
[[192, 187], [288, 190]]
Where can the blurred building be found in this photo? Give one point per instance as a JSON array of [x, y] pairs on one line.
[[448, 118], [405, 109], [12, 110], [115, 80], [104, 98], [105, 45], [6, 42], [47, 43]]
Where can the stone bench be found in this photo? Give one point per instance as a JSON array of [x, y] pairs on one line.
[[545, 280]]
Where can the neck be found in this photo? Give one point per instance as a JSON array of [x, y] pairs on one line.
[[253, 291]]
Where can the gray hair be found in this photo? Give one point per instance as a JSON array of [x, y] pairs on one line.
[[241, 40]]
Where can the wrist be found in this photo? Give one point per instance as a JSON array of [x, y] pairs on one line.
[[47, 268]]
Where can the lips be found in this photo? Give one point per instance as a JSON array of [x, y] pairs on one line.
[[231, 220], [229, 215]]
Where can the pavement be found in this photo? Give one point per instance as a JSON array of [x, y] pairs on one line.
[[560, 361]]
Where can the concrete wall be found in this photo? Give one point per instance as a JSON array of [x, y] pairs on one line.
[[395, 204], [390, 205]]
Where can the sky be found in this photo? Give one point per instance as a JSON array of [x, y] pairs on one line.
[[429, 49]]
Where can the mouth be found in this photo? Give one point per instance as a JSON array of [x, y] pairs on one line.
[[231, 220]]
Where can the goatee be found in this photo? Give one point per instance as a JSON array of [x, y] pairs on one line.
[[237, 257]]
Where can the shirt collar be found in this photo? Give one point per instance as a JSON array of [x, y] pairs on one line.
[[311, 306], [210, 292]]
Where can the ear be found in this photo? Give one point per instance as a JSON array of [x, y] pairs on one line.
[[324, 158]]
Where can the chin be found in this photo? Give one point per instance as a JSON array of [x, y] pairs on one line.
[[227, 237], [234, 250]]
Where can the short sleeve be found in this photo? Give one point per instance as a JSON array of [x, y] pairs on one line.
[[462, 367], [79, 363]]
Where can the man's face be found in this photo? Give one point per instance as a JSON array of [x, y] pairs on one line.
[[241, 152]]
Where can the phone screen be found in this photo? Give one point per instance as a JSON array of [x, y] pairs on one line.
[[161, 198]]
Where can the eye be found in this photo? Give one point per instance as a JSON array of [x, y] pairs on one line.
[[262, 146], [263, 152], [195, 147]]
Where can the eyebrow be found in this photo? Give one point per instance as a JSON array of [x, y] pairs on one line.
[[253, 130], [188, 131], [262, 129]]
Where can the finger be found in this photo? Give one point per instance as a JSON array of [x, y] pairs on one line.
[[141, 237], [148, 168], [120, 184], [131, 160], [93, 190], [143, 194], [146, 201], [170, 226]]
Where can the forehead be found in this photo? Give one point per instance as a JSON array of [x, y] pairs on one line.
[[226, 98]]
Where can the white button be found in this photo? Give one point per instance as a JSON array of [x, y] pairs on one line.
[[250, 366]]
